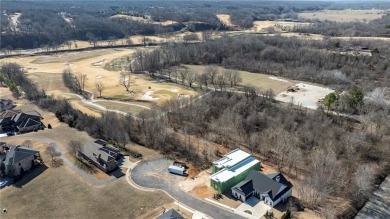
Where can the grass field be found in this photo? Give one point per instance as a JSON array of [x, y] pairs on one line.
[[258, 80], [343, 15], [225, 19], [61, 193], [72, 56]]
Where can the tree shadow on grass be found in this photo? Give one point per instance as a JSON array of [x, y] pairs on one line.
[[85, 166], [30, 175]]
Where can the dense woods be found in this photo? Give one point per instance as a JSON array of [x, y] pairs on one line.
[[375, 28], [316, 61], [54, 23], [316, 148]]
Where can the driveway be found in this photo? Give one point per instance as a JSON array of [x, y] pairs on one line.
[[256, 207], [154, 174], [81, 172]]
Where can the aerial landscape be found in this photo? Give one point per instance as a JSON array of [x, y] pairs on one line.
[[195, 109]]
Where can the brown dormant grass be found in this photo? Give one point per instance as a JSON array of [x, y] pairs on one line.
[[258, 80], [225, 19], [343, 15], [61, 193]]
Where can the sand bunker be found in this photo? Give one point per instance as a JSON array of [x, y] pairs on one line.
[[147, 96]]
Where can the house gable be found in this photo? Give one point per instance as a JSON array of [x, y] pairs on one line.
[[269, 187]]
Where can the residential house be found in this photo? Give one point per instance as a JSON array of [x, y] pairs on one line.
[[17, 160], [16, 120], [232, 169], [171, 214], [270, 188], [102, 155]]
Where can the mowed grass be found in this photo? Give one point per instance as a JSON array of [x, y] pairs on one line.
[[72, 56], [261, 81], [87, 109], [133, 109], [48, 81], [166, 92], [61, 193]]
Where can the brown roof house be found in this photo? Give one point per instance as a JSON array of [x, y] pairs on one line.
[[102, 155], [17, 159]]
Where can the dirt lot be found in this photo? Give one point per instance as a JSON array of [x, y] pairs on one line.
[[344, 15], [307, 95], [61, 193]]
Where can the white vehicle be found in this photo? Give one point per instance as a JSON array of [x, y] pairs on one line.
[[177, 170]]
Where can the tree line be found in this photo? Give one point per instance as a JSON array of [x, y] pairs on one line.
[[309, 60]]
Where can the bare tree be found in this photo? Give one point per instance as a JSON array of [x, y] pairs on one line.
[[183, 75], [80, 80], [175, 75], [74, 147], [221, 82], [206, 35], [212, 72], [53, 153], [99, 87], [129, 42], [236, 78], [203, 80], [191, 78], [126, 80]]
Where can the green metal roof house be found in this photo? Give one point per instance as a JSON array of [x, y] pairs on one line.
[[232, 169]]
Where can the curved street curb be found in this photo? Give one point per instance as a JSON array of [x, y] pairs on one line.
[[132, 183]]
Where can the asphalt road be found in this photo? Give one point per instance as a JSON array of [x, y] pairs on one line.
[[154, 174]]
